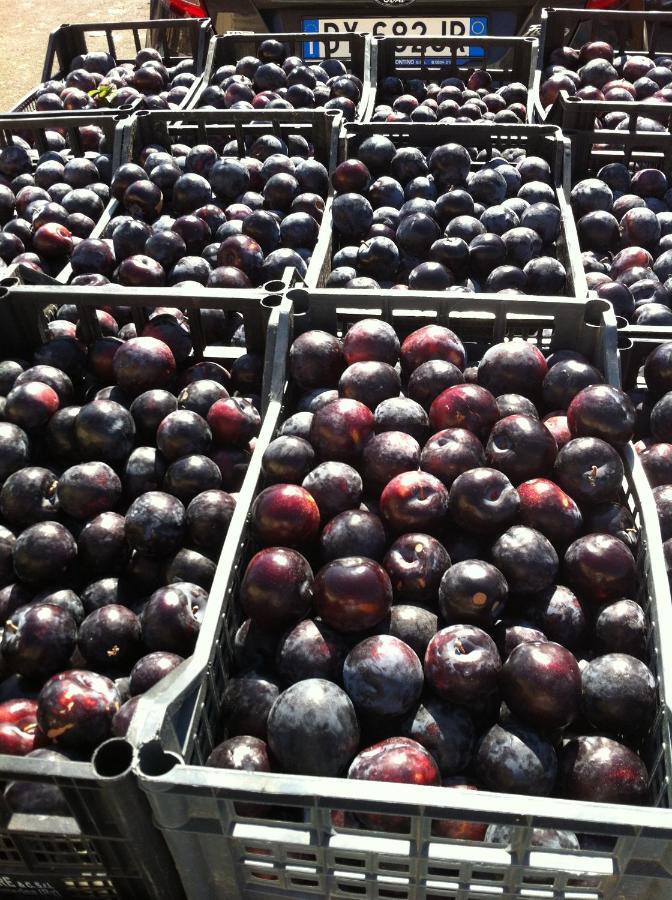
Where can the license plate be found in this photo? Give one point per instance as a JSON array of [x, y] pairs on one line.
[[405, 28]]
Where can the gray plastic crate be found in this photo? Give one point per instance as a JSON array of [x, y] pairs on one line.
[[227, 49], [507, 59], [34, 129], [189, 37], [546, 141], [202, 126], [303, 854], [591, 150], [631, 33], [108, 846]]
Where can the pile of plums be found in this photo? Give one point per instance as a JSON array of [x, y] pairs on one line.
[[118, 459], [653, 404], [436, 221], [445, 590], [275, 80], [95, 80], [453, 100], [50, 202], [624, 223], [195, 216], [595, 72]]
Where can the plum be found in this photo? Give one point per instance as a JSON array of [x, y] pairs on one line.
[[313, 729]]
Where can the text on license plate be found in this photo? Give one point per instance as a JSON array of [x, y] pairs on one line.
[[466, 26]]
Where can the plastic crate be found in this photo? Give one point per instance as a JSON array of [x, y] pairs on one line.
[[507, 59], [220, 853], [33, 129], [68, 41], [108, 846], [354, 50], [591, 151], [631, 33], [538, 140], [202, 126]]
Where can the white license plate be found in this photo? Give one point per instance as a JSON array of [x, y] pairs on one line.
[[404, 28]]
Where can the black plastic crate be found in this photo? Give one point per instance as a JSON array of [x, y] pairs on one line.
[[175, 39], [353, 50], [217, 127], [108, 846], [507, 59], [631, 34], [538, 140], [219, 852]]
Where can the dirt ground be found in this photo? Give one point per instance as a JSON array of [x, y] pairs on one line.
[[24, 31]]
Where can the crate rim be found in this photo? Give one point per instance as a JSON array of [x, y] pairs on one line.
[[467, 135], [162, 772], [202, 25], [349, 37], [426, 40], [578, 14]]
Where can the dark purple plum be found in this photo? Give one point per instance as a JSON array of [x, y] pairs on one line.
[[414, 501], [352, 594], [601, 770], [171, 618], [38, 640], [285, 514], [398, 760], [155, 524], [526, 559], [75, 708], [512, 758], [43, 553], [277, 587], [465, 406], [233, 421], [102, 544], [183, 432], [150, 669], [353, 532], [31, 405], [383, 676], [446, 731], [143, 364], [402, 414], [313, 729], [604, 412], [144, 471], [310, 650], [600, 567], [387, 455], [335, 487], [541, 684], [589, 470], [316, 360], [547, 508], [287, 459], [110, 638], [462, 664], [416, 563], [620, 627], [88, 489], [473, 591], [520, 447], [149, 410], [29, 496], [618, 695], [483, 501], [191, 475]]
